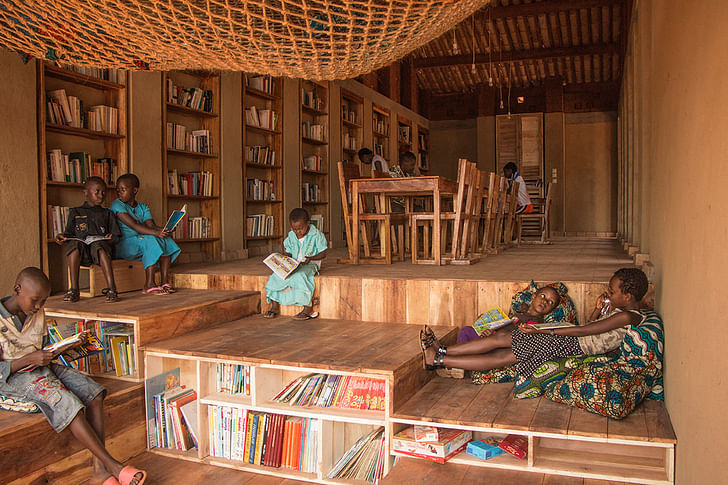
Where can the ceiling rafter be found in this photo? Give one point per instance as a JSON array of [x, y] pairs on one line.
[[548, 6]]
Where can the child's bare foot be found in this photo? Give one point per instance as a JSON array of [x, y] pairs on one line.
[[273, 311]]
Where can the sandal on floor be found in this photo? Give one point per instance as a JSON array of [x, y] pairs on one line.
[[270, 314], [157, 290], [305, 316], [132, 476], [168, 288], [111, 295], [72, 295]]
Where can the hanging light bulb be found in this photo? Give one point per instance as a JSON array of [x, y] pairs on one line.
[[472, 28], [490, 81], [490, 53], [455, 48]]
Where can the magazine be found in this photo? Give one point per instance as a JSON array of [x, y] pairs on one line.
[[551, 325], [88, 239], [174, 218], [493, 319], [281, 265]]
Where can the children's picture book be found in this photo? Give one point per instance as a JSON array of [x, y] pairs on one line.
[[451, 442], [516, 445], [551, 325], [493, 319], [281, 265], [88, 239], [174, 218], [66, 350], [152, 387]]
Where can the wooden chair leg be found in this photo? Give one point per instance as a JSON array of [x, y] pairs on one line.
[[365, 239], [413, 241], [386, 242], [519, 229], [400, 241], [426, 248]]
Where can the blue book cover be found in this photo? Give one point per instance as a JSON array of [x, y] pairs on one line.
[[254, 434]]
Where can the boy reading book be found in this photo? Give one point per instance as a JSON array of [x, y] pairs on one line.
[[141, 239], [308, 246], [66, 397]]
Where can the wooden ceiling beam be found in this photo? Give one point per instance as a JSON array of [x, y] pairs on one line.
[[546, 7], [524, 55]]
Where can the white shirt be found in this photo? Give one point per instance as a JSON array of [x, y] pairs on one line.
[[377, 158], [523, 198]]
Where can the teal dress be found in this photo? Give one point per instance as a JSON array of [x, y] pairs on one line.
[[298, 288], [135, 246]]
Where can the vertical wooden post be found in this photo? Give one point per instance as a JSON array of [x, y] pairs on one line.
[[395, 81]]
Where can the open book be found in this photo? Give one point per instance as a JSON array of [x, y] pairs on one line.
[[175, 218], [493, 319], [68, 349], [281, 265], [88, 239], [550, 325]]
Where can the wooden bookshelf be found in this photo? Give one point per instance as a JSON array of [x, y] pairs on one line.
[[404, 134], [314, 156], [423, 149], [262, 163], [65, 190], [191, 108], [352, 109], [380, 133]]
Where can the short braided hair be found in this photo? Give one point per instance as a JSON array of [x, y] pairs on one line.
[[634, 282]]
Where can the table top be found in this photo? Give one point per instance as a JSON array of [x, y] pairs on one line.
[[405, 185]]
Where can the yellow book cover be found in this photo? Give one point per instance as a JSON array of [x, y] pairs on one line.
[[116, 356], [248, 436], [259, 439]]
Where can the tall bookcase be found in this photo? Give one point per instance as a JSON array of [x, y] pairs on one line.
[[190, 159], [315, 152], [351, 125], [423, 149], [262, 163], [82, 145], [404, 136], [380, 133]]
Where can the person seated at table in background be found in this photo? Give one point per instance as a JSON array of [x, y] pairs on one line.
[[524, 205], [407, 168], [377, 162]]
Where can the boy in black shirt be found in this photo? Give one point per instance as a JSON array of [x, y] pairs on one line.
[[97, 226]]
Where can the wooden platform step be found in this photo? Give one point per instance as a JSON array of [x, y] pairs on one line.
[[31, 452], [562, 440]]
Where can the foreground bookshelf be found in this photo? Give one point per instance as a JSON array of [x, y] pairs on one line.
[[191, 160], [81, 132]]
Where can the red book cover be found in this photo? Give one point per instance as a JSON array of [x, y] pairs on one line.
[[287, 443], [347, 392], [279, 441], [516, 445], [296, 443]]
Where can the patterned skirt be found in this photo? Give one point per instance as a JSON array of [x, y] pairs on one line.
[[533, 350]]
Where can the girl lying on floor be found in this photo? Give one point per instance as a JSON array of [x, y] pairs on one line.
[[529, 348]]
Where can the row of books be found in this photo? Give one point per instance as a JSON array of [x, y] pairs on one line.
[[422, 160], [69, 111], [260, 225], [189, 183], [379, 149], [258, 189], [193, 228], [405, 134], [261, 83], [313, 162], [260, 154], [195, 98], [258, 438], [311, 99], [233, 379], [105, 74], [331, 390], [363, 461], [262, 118], [350, 142], [349, 114], [173, 419], [179, 138], [381, 126], [422, 142], [312, 131], [78, 166], [57, 220], [310, 192]]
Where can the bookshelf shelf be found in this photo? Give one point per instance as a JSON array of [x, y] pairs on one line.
[[350, 124], [309, 202], [351, 115], [423, 148], [64, 97], [380, 132], [262, 105], [315, 109], [349, 151], [190, 108]]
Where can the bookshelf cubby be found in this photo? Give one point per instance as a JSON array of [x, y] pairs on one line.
[[423, 149], [262, 163], [73, 144], [314, 155], [380, 132], [191, 158], [404, 134], [351, 125]]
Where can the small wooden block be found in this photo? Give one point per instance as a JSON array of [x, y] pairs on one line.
[[128, 276]]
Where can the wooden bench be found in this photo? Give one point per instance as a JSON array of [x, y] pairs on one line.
[[128, 276], [31, 452]]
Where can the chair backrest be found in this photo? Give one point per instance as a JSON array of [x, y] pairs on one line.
[[347, 171]]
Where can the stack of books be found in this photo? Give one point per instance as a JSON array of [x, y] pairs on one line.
[[179, 138], [233, 379], [311, 100], [364, 461], [332, 390], [69, 111], [261, 189], [105, 74], [310, 192], [57, 220], [261, 83], [260, 154], [261, 118], [312, 131], [195, 98], [349, 142], [190, 183], [260, 225], [192, 228]]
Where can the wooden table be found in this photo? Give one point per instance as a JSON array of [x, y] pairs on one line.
[[435, 186]]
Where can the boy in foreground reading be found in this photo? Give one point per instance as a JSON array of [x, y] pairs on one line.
[[307, 245], [96, 225], [141, 239], [60, 392]]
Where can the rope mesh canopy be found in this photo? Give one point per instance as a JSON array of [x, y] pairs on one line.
[[319, 40]]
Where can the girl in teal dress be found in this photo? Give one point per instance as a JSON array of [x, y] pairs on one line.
[[308, 245], [141, 239]]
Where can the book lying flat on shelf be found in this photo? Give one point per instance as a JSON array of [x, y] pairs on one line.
[[485, 449], [492, 320], [174, 218], [281, 265], [516, 445], [550, 325]]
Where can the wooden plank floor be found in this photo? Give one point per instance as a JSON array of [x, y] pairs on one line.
[[564, 260], [410, 471], [493, 406]]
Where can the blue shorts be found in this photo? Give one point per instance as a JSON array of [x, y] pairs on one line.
[[60, 392]]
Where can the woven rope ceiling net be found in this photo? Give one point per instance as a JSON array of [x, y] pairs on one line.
[[317, 40]]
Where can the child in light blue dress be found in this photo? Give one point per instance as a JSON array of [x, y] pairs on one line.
[[141, 239], [308, 245]]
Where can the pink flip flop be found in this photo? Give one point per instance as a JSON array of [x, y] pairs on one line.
[[157, 290], [128, 474]]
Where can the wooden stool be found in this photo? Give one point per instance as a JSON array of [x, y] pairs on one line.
[[128, 276]]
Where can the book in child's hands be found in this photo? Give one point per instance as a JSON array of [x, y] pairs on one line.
[[88, 239], [174, 218], [551, 325], [281, 265], [492, 320]]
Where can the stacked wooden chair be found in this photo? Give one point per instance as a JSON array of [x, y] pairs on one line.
[[540, 218]]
